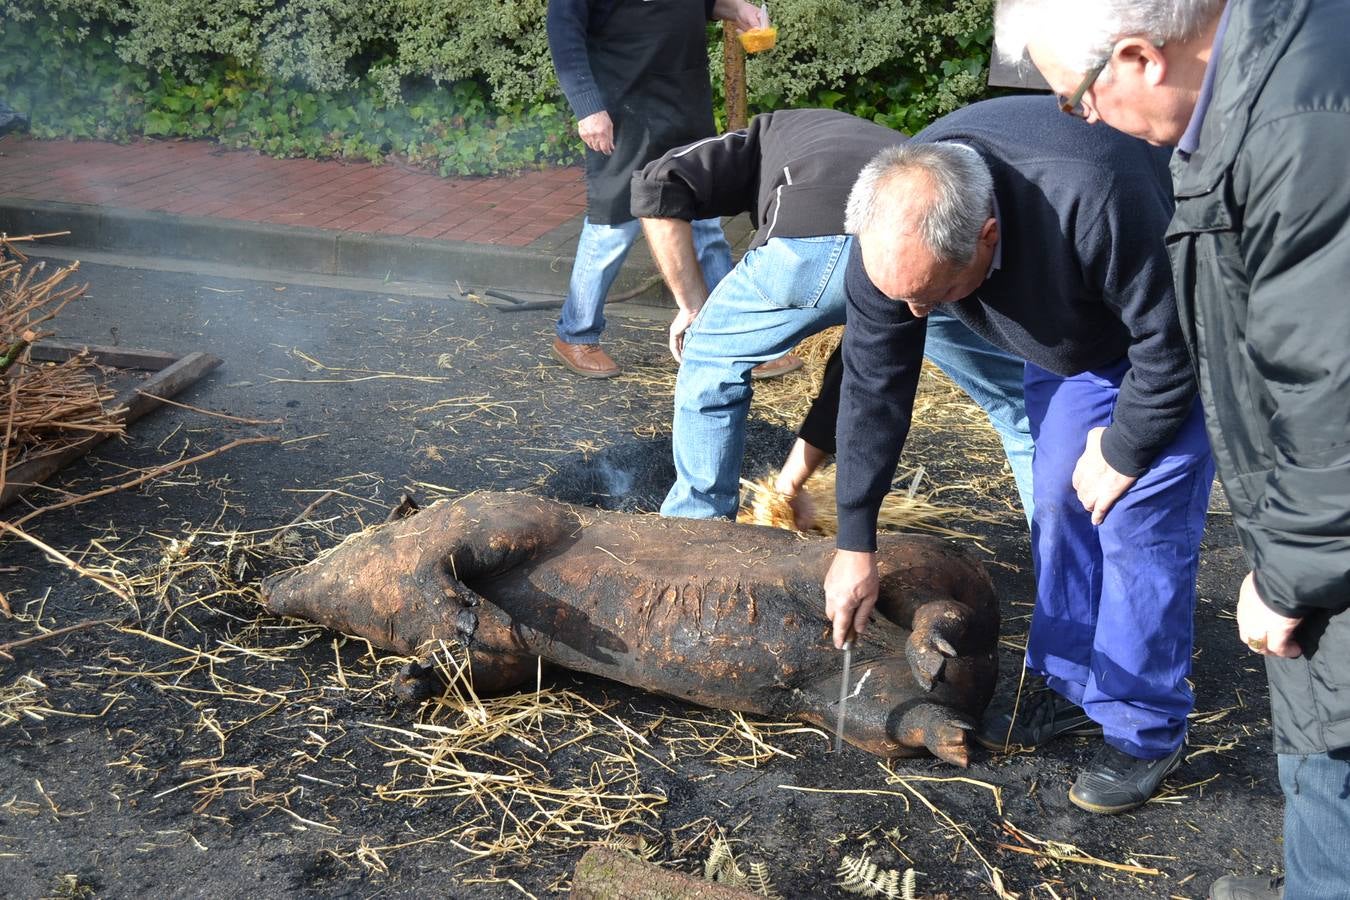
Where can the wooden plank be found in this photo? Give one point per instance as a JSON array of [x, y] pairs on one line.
[[130, 405], [603, 873], [733, 77], [118, 357]]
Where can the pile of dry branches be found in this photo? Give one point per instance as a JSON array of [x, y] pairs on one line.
[[44, 407]]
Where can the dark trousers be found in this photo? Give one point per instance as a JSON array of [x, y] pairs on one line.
[[1113, 623]]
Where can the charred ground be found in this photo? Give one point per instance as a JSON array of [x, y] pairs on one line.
[[194, 747]]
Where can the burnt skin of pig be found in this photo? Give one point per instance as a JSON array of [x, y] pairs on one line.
[[723, 615]]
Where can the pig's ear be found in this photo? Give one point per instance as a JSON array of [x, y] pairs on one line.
[[407, 505], [939, 629], [451, 575]]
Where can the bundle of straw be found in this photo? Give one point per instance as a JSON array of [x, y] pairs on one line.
[[43, 407], [903, 509]]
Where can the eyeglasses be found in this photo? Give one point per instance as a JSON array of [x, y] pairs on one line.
[[1073, 104]]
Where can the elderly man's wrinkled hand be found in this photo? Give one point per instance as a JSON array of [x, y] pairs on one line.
[[851, 588], [597, 132], [1098, 485], [1261, 628]]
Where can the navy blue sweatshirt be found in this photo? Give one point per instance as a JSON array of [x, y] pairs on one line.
[[568, 23], [1084, 282]]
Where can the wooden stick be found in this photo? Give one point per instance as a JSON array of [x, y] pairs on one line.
[[119, 357], [24, 642], [33, 237], [135, 482], [304, 513], [1085, 860], [67, 561], [210, 412], [12, 353], [132, 404]]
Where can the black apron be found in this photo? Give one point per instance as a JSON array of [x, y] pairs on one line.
[[650, 61]]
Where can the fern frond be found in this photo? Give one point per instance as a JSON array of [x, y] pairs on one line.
[[859, 875], [722, 866], [759, 881], [908, 885]]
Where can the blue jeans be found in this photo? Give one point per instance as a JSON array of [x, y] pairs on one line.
[[1114, 616], [1316, 824], [601, 251], [780, 293]]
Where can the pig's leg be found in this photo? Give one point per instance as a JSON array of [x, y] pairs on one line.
[[940, 729], [937, 634]]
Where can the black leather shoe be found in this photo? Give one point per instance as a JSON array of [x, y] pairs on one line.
[[1261, 887], [1116, 782], [1042, 716]]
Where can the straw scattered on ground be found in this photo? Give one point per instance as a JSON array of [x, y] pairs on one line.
[[291, 723]]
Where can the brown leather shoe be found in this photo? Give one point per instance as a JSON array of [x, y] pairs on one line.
[[789, 362], [587, 360]]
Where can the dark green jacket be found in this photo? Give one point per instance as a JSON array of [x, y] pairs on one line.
[[1260, 247]]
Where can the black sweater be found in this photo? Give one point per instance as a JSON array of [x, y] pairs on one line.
[[791, 170], [1084, 281]]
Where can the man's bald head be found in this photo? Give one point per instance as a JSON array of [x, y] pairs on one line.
[[923, 216]]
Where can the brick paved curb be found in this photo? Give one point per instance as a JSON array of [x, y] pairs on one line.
[[304, 249]]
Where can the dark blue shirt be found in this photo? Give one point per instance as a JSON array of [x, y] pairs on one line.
[[1190, 140], [569, 22]]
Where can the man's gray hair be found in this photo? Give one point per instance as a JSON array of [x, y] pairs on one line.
[[1081, 33], [963, 196]]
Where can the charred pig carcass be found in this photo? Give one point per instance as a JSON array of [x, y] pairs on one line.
[[724, 615]]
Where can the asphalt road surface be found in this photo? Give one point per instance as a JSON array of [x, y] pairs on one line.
[[196, 747]]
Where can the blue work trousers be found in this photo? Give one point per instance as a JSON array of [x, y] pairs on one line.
[[601, 250], [1113, 625]]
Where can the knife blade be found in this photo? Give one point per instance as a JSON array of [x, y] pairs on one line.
[[843, 697]]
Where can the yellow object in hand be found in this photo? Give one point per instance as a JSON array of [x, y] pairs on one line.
[[757, 39]]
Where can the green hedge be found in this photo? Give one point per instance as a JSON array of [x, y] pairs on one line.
[[466, 88]]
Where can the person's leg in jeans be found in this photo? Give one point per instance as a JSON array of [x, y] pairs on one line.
[[779, 293], [993, 379], [601, 251], [714, 257], [1316, 824]]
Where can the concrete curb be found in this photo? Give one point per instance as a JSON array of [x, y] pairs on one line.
[[304, 249]]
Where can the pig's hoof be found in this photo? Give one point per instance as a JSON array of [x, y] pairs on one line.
[[941, 730], [416, 682], [947, 741], [938, 628]]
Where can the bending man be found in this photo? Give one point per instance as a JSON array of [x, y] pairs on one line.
[[791, 170], [1045, 236]]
